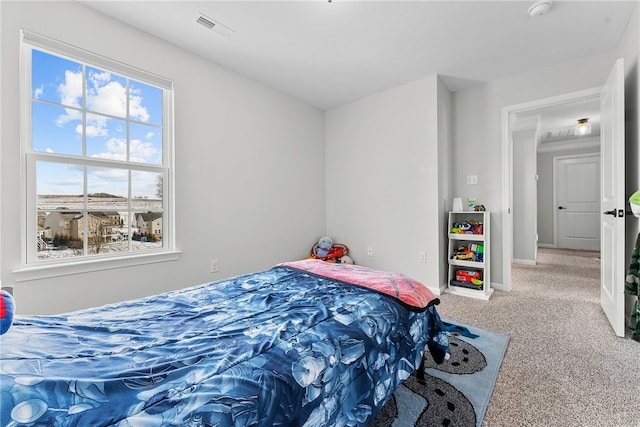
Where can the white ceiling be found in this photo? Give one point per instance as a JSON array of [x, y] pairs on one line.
[[557, 122], [331, 53]]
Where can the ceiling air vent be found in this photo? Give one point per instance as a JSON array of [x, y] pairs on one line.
[[204, 21], [211, 24], [560, 133]]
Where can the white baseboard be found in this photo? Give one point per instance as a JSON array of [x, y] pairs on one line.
[[523, 261], [438, 291], [498, 286]]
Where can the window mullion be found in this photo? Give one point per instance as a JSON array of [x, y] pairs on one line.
[[84, 110], [128, 145], [85, 191], [128, 117], [85, 213], [130, 214]]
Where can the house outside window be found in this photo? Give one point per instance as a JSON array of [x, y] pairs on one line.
[[98, 141]]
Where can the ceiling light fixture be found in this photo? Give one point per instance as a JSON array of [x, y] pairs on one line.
[[211, 24], [539, 8], [583, 127]]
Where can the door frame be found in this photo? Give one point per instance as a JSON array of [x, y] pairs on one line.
[[530, 122], [508, 116], [556, 160]]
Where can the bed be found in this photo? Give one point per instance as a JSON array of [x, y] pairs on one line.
[[306, 343]]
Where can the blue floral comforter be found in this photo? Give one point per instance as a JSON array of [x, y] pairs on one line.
[[279, 347]]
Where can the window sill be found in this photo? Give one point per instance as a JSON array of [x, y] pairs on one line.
[[36, 272]]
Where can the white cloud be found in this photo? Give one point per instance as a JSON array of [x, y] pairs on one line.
[[114, 174], [96, 79], [135, 107], [142, 151], [37, 93], [69, 116], [108, 99], [116, 150], [96, 125], [71, 90], [117, 145]]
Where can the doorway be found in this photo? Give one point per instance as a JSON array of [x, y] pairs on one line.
[[612, 195], [555, 144]]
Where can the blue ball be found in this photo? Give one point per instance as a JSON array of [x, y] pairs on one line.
[[7, 309]]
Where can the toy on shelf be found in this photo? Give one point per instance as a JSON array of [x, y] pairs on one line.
[[469, 276], [468, 227], [464, 254], [472, 252], [478, 251], [471, 279]]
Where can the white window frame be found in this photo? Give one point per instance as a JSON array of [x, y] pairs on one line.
[[31, 268]]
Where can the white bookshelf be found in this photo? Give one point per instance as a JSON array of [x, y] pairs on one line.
[[478, 263]]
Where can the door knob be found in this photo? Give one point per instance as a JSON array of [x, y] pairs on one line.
[[612, 212], [561, 207]]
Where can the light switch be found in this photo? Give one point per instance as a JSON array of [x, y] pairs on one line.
[[472, 179]]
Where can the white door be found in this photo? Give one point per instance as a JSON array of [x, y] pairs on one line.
[[577, 189], [613, 198]]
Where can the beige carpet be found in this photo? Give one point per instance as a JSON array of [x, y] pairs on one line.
[[564, 366]]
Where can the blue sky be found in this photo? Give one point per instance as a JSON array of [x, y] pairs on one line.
[[58, 126]]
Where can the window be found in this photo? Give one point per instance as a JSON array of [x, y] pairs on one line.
[[97, 139]]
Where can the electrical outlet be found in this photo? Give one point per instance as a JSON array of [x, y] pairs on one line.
[[472, 179], [422, 256], [369, 250], [214, 265]]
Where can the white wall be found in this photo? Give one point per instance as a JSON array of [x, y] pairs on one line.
[[446, 139], [524, 195], [383, 156], [249, 165], [479, 126]]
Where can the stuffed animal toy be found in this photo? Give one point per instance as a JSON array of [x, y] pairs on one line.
[[323, 247], [346, 259], [337, 251], [7, 308]]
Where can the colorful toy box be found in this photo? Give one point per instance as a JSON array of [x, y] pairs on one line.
[[468, 275], [467, 279]]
